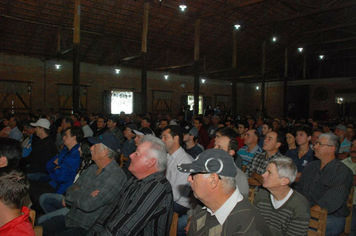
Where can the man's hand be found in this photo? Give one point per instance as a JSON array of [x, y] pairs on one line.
[[186, 229], [94, 193], [64, 202], [315, 208], [56, 161], [59, 130]]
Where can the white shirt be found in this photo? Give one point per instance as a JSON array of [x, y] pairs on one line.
[[224, 211], [277, 204], [177, 179], [87, 131]]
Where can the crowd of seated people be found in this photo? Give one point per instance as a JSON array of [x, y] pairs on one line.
[[191, 165]]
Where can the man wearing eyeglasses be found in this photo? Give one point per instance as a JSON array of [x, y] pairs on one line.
[[326, 183], [226, 211]]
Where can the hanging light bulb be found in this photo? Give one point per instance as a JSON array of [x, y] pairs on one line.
[[117, 71], [182, 7], [57, 66]]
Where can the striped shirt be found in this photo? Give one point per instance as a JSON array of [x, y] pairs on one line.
[[292, 218], [143, 207]]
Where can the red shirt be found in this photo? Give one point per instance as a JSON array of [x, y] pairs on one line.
[[77, 123], [18, 226]]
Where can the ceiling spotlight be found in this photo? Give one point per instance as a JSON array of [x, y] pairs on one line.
[[117, 71], [321, 57], [203, 80], [182, 7], [274, 39], [57, 66], [237, 26], [341, 99], [300, 49], [257, 87], [166, 77]]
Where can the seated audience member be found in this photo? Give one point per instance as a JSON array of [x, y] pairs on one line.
[[145, 204], [228, 143], [5, 132], [203, 135], [52, 127], [231, 146], [214, 126], [190, 139], [13, 216], [351, 163], [327, 127], [242, 128], [45, 148], [75, 119], [51, 203], [290, 141], [285, 210], [84, 122], [61, 169], [10, 152], [90, 194], [15, 133], [31, 138], [326, 183], [146, 126], [251, 147], [260, 161], [303, 154], [113, 128], [341, 131], [172, 136], [92, 124], [314, 137], [212, 179], [350, 135], [66, 123], [129, 145], [101, 126], [266, 127]]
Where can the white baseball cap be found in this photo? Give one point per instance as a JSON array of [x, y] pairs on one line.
[[42, 123]]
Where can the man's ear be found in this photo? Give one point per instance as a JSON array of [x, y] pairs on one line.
[[214, 180], [285, 181], [3, 161], [278, 144], [151, 162]]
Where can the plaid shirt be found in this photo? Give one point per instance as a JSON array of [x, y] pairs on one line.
[[259, 163]]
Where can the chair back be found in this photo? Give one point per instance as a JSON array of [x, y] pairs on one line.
[[174, 225], [251, 194], [123, 160], [350, 206], [32, 217], [317, 224]]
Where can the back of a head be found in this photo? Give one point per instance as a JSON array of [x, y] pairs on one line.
[[14, 186], [158, 151], [11, 149]]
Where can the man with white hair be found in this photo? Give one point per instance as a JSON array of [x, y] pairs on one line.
[[145, 204], [226, 211], [341, 131], [286, 211]]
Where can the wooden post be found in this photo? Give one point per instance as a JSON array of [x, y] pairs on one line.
[[285, 84], [196, 67], [144, 60], [234, 75], [263, 109], [76, 57]]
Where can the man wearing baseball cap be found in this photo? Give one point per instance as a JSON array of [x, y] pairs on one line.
[[226, 210], [42, 151], [190, 139]]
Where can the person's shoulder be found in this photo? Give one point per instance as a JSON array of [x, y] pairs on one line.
[[300, 200]]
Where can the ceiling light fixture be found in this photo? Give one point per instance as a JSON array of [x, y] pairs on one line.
[[182, 7], [321, 57], [203, 80], [237, 26], [300, 49], [274, 39], [257, 87], [117, 71], [57, 66], [166, 77]]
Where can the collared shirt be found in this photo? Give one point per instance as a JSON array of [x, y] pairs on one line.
[[300, 162], [345, 146], [194, 151], [259, 163], [18, 226], [177, 179], [143, 207], [328, 187], [224, 211], [248, 155], [87, 131], [85, 209], [352, 165], [15, 133]]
